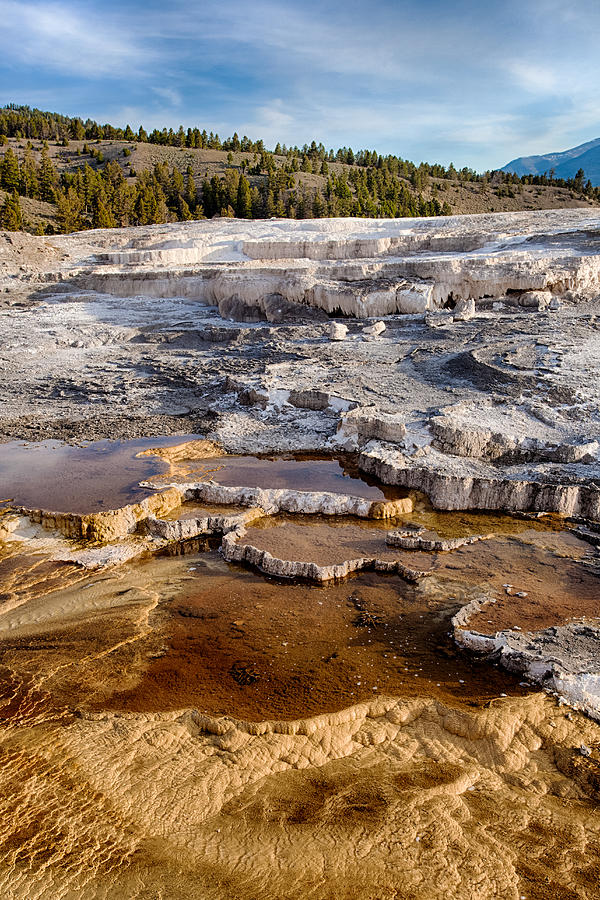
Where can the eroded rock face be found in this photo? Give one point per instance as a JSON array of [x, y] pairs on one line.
[[458, 433], [374, 330], [535, 299], [361, 425], [193, 526], [110, 525], [454, 485], [464, 309], [429, 540], [520, 434], [337, 331], [237, 548]]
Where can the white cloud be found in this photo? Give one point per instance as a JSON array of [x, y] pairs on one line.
[[58, 36], [172, 96], [534, 78], [274, 121]]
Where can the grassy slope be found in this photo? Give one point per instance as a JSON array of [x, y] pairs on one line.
[[463, 197]]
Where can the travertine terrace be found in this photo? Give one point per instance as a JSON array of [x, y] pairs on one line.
[[455, 363]]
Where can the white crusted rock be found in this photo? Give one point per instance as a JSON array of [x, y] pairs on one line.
[[438, 318], [337, 331], [374, 330], [464, 310], [536, 299], [365, 424]]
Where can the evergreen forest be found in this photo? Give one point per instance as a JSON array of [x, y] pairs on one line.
[[94, 192]]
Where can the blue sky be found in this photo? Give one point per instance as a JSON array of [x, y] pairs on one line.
[[452, 81]]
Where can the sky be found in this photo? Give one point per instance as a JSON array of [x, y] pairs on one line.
[[425, 80]]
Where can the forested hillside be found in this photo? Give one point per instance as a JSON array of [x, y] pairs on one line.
[[61, 174]]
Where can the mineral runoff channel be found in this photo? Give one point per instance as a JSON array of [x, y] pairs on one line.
[[252, 709]]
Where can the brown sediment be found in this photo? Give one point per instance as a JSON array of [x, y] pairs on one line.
[[24, 576], [327, 542], [193, 510], [173, 633], [336, 546], [186, 451], [463, 523], [194, 631], [458, 782], [549, 569], [191, 460], [308, 650]]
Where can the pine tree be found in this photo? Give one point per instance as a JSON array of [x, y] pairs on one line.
[[244, 200], [47, 178], [318, 207], [123, 201], [161, 213], [257, 203], [11, 218], [230, 185], [29, 180], [69, 208], [141, 208], [191, 195], [176, 183], [270, 207], [101, 216], [301, 208], [184, 212], [208, 200], [10, 176]]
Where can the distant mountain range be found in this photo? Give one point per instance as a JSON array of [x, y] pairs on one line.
[[565, 164]]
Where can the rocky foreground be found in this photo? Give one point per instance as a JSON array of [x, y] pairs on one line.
[[456, 358]]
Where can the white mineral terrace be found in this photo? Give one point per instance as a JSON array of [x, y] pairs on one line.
[[347, 266]]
